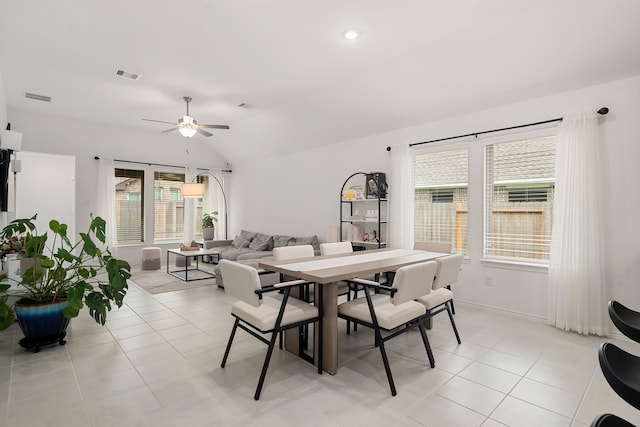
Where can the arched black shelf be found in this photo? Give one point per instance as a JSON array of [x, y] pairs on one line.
[[364, 211]]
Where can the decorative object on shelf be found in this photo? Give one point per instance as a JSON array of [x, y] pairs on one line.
[[376, 185], [63, 278], [208, 226], [196, 190]]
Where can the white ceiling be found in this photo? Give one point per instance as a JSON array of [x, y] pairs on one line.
[[416, 61]]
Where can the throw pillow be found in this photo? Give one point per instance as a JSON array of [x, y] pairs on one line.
[[262, 242], [279, 241], [313, 241], [240, 242], [249, 235]]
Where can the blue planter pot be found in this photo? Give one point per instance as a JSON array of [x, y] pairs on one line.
[[41, 324]]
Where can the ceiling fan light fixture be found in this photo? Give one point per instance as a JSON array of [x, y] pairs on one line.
[[187, 126]]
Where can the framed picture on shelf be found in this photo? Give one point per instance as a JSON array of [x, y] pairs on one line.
[[376, 184]]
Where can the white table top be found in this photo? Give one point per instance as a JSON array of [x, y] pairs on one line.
[[197, 252], [333, 268]]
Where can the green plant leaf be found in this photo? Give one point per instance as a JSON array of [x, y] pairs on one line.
[[7, 316], [89, 247], [98, 306], [70, 312], [75, 295]]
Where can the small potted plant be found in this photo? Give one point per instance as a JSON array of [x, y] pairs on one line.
[[208, 226], [61, 280]]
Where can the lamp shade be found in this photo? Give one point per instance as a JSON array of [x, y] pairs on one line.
[[10, 140], [193, 190]]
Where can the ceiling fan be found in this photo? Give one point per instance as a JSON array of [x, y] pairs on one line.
[[188, 126]]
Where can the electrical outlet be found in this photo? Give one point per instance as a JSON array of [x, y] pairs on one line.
[[488, 281]]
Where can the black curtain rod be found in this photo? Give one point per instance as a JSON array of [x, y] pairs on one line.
[[602, 111], [156, 164]]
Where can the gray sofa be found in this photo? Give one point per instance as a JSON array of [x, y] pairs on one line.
[[250, 245]]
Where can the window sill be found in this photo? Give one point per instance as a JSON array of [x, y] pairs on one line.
[[515, 265]]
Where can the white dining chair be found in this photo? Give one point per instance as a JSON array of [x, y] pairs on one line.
[[344, 288], [396, 313], [434, 246], [263, 311], [440, 298]]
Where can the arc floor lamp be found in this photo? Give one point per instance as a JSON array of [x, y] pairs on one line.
[[196, 190]]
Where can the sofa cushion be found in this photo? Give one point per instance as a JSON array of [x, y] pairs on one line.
[[240, 242], [261, 242], [279, 241], [254, 255], [313, 241], [233, 253], [249, 235]]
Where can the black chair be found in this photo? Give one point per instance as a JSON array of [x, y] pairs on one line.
[[610, 420], [625, 319], [622, 372]]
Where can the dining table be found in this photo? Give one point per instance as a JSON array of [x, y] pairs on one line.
[[327, 270]]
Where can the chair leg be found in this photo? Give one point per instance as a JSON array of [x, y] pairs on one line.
[[226, 352], [453, 310], [385, 361], [320, 329], [427, 346], [453, 322], [265, 366], [348, 299]]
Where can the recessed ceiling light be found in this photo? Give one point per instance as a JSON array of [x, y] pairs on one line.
[[351, 34]]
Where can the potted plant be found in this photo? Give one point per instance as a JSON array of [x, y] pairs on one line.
[[63, 278], [208, 227]]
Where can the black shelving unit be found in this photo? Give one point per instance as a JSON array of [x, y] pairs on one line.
[[355, 205]]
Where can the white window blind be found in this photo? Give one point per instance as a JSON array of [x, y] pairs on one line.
[[441, 202], [169, 208], [519, 188], [129, 206]]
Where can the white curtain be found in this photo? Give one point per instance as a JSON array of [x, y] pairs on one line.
[[577, 297], [189, 212], [401, 197], [106, 200]]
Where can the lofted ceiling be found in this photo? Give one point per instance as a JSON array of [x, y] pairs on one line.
[[304, 84]]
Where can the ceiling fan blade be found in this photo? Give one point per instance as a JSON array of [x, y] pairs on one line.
[[204, 132], [213, 127], [169, 130], [159, 121]]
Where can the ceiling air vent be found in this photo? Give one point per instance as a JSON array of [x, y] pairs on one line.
[[127, 74], [37, 97]]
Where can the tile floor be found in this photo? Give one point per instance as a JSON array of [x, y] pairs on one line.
[[157, 363]]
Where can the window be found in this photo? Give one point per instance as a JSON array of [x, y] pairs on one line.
[[129, 206], [441, 207], [169, 214], [175, 195], [520, 178], [157, 193]]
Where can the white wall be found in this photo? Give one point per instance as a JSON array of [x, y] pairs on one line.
[[46, 186], [299, 193]]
